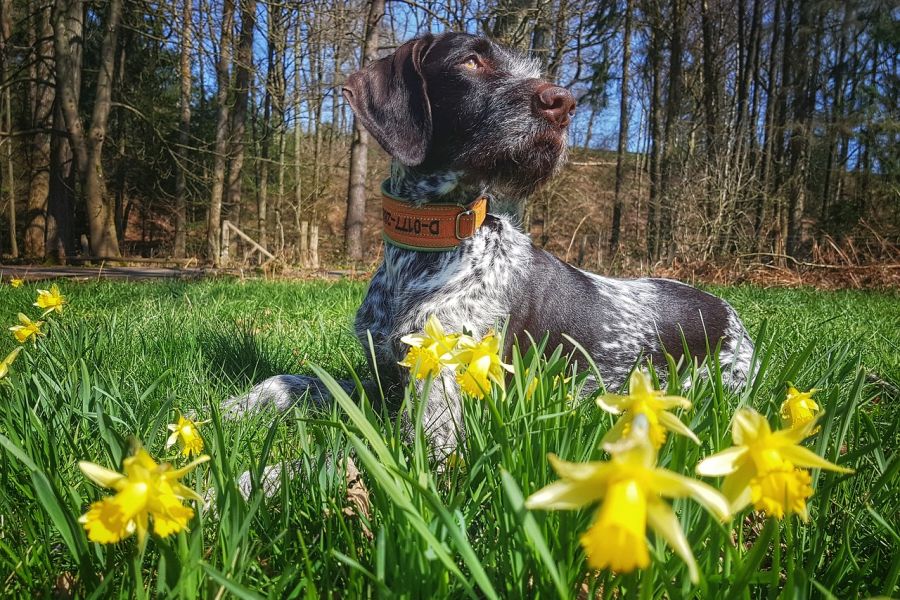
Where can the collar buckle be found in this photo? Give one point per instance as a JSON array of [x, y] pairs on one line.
[[466, 213]]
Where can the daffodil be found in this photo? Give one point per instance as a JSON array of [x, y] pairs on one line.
[[185, 433], [50, 300], [798, 408], [16, 282], [6, 362], [478, 364], [27, 329], [765, 467], [644, 399], [630, 488], [558, 380], [145, 489], [428, 350]]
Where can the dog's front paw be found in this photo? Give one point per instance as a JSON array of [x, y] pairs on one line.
[[279, 392]]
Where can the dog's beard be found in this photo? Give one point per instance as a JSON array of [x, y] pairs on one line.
[[520, 169]]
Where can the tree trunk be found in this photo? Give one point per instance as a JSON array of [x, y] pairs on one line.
[[673, 112], [273, 19], [836, 117], [242, 70], [298, 174], [621, 146], [88, 146], [5, 51], [710, 90], [214, 222], [68, 26], [41, 97], [654, 205], [769, 134], [804, 97], [511, 20], [356, 188], [100, 212], [184, 131]]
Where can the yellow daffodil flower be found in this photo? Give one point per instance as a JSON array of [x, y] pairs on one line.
[[558, 380], [765, 467], [478, 364], [429, 350], [28, 329], [50, 300], [185, 433], [16, 282], [643, 399], [6, 362], [798, 408], [631, 489], [145, 489]]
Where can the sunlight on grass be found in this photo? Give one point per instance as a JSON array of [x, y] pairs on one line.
[[123, 362]]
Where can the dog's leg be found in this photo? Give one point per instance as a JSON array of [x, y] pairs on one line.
[[281, 392]]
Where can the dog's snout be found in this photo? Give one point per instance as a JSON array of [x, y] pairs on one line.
[[554, 103]]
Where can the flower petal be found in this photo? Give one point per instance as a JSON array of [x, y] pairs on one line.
[[613, 403], [596, 470], [672, 485], [803, 457], [616, 432], [795, 435], [722, 463], [746, 425], [179, 473], [564, 495], [100, 475], [673, 423], [670, 402], [736, 487], [664, 522], [640, 384]]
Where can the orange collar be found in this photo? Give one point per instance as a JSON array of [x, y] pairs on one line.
[[430, 227]]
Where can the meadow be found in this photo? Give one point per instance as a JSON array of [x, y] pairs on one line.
[[123, 359]]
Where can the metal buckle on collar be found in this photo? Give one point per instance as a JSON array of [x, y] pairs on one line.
[[467, 212]]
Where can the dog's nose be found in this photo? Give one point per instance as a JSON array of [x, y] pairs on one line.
[[554, 103]]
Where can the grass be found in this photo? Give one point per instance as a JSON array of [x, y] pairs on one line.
[[124, 357]]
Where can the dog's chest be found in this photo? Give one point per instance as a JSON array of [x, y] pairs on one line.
[[467, 289]]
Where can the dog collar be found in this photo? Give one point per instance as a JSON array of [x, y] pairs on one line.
[[430, 227]]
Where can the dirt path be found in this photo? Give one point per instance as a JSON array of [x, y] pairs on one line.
[[33, 273]]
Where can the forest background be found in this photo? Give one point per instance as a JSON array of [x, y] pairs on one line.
[[717, 134]]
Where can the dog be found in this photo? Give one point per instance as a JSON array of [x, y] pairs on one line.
[[465, 119]]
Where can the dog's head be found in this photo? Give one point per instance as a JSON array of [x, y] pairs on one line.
[[463, 103]]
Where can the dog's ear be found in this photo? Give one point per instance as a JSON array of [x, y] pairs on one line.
[[390, 98]]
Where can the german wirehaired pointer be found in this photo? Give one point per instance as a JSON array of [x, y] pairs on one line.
[[464, 120]]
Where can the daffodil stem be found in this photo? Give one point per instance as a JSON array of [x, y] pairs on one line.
[[776, 559], [136, 566], [646, 586], [498, 419], [789, 543]]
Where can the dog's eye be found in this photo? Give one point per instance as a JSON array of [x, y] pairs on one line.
[[471, 64]]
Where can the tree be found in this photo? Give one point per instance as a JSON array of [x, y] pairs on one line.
[[622, 144], [184, 129], [243, 70], [356, 188], [223, 82], [88, 145], [5, 35]]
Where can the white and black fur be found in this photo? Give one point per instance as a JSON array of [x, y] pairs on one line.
[[456, 132]]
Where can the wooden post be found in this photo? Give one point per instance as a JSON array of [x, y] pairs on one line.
[[314, 246], [304, 244], [226, 235]]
